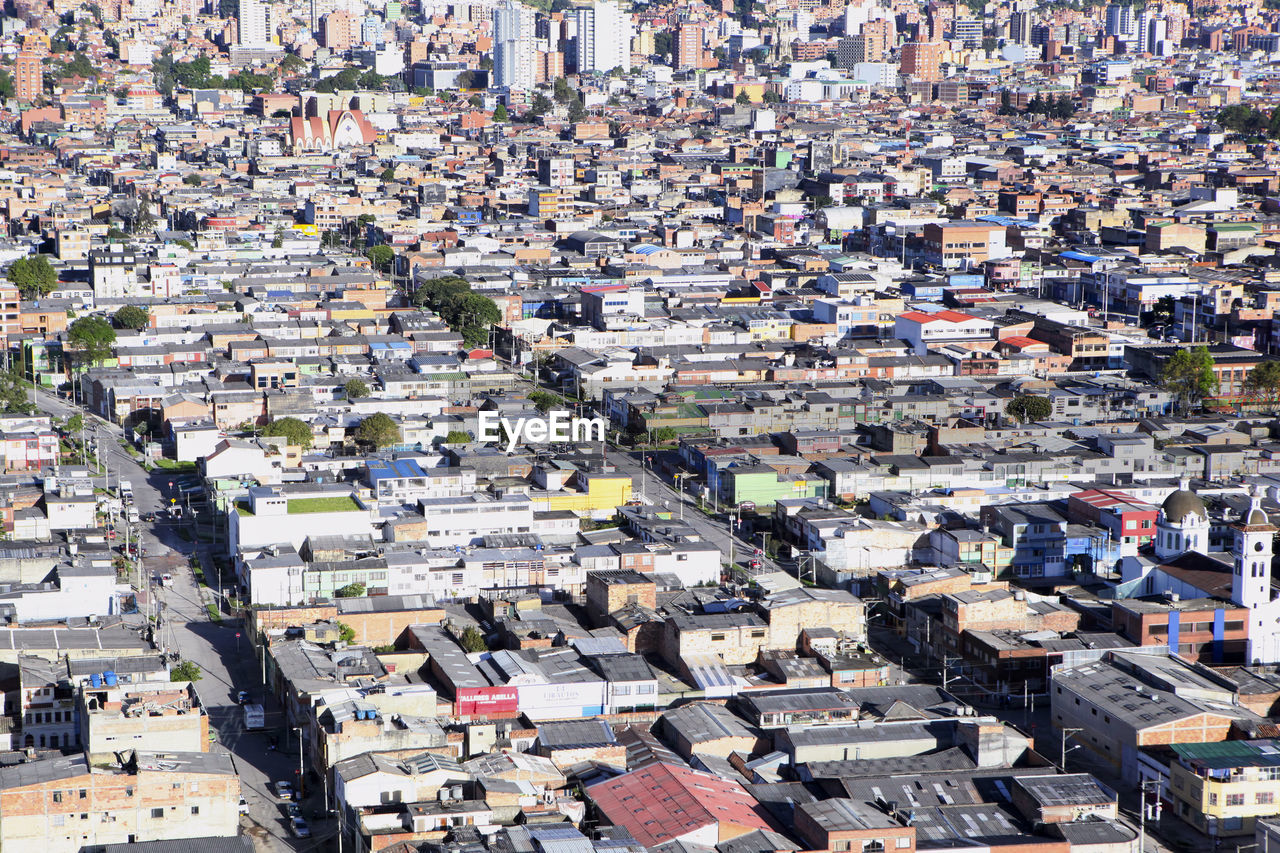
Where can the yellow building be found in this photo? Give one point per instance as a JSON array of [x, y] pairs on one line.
[[1223, 788], [595, 495]]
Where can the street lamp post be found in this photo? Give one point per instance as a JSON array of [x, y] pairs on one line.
[[1066, 733], [1142, 813], [298, 729]]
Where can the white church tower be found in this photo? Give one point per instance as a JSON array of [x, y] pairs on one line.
[[1251, 582]]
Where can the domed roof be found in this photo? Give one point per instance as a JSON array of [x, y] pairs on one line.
[[1255, 517], [1181, 504]]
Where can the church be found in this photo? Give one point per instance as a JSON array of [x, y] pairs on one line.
[[1183, 568]]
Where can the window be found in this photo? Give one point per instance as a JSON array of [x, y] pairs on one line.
[[156, 814], [57, 796], [1213, 799], [717, 638], [1235, 799], [903, 842], [1264, 798], [195, 810]]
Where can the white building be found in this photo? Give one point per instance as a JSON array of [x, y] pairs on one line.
[[254, 24], [513, 45], [604, 37]]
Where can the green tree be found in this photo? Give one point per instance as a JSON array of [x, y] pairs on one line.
[[1264, 380], [662, 43], [378, 430], [351, 590], [295, 431], [193, 180], [90, 338], [772, 97], [576, 111], [467, 313], [457, 436], [131, 317], [1188, 375], [543, 401], [355, 389], [14, 398], [665, 435], [562, 90], [381, 256], [346, 633], [291, 63], [7, 87], [743, 98], [1026, 408], [388, 174], [472, 640], [465, 80], [75, 423], [188, 670], [540, 105], [277, 242], [33, 276], [500, 113]]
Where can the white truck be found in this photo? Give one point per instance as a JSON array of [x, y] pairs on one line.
[[125, 490], [254, 718]]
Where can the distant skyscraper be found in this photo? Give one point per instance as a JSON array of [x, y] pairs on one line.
[[513, 45], [604, 37], [28, 77], [1121, 23], [252, 21], [689, 44]]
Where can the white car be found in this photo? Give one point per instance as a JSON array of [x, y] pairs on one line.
[[244, 805], [284, 790]]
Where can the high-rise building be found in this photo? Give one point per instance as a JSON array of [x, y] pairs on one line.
[[320, 8], [969, 31], [604, 37], [689, 44], [921, 61], [28, 76], [880, 35], [338, 30], [1020, 27], [252, 22], [514, 28], [1121, 23]]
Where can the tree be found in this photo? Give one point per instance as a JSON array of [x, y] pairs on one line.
[[561, 90], [277, 242], [1264, 380], [543, 401], [75, 423], [291, 63], [356, 389], [472, 640], [188, 670], [743, 98], [296, 432], [1188, 375], [193, 180], [91, 339], [500, 113], [351, 590], [388, 174], [34, 277], [381, 256], [7, 87], [772, 97], [467, 313], [457, 436], [475, 100], [662, 43], [14, 399], [465, 80], [576, 111], [346, 633], [1026, 408], [665, 435], [131, 317], [378, 430], [539, 105]]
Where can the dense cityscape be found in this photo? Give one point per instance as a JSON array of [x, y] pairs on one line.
[[594, 426]]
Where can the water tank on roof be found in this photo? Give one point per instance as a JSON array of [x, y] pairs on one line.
[[110, 678], [95, 680]]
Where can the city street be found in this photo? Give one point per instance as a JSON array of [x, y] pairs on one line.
[[659, 491], [221, 650]]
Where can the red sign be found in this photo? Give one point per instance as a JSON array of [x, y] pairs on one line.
[[482, 701]]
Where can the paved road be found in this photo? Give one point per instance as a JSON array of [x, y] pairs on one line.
[[660, 491], [220, 649]]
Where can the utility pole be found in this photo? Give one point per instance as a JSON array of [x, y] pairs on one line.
[[1066, 733], [1142, 813]]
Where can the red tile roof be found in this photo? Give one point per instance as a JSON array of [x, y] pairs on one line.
[[664, 802]]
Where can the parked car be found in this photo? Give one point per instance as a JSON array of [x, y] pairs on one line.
[[292, 809], [284, 790], [244, 805], [242, 697], [299, 827]]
